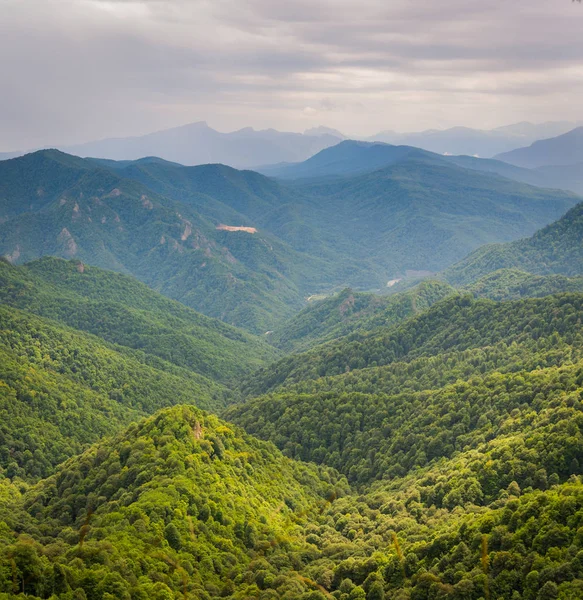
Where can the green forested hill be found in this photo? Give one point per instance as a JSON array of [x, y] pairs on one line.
[[61, 389], [350, 311], [555, 249], [86, 351], [181, 503], [384, 433], [94, 215], [453, 378], [184, 505], [124, 311], [246, 198], [35, 182], [218, 190], [464, 454], [453, 324], [511, 284], [432, 206]]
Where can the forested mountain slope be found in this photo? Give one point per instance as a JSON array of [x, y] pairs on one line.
[[484, 499], [454, 324], [87, 351], [385, 433], [61, 389], [179, 503], [52, 203], [349, 311], [555, 249], [246, 198], [178, 229], [460, 429], [467, 441], [418, 214], [512, 284], [124, 311]]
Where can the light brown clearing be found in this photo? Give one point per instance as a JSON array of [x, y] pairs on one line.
[[232, 228]]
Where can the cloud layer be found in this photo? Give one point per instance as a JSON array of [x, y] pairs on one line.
[[74, 70]]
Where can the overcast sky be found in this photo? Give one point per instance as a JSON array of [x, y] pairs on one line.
[[77, 70]]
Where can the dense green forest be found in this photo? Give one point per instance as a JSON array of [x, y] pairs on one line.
[[455, 371], [62, 389], [349, 311], [181, 503], [475, 414], [456, 323], [186, 506], [124, 311], [86, 351], [423, 443], [511, 284], [416, 208], [556, 249], [385, 434], [447, 467], [164, 224]]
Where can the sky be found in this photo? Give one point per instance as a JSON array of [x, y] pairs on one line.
[[78, 70]]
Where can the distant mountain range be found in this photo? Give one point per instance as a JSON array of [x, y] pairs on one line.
[[566, 149], [477, 142], [351, 157], [197, 143]]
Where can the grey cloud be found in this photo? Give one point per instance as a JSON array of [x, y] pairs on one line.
[[82, 69]]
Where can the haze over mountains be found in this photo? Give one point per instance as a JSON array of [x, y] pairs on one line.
[[566, 149], [407, 211], [477, 142], [350, 157], [197, 143]]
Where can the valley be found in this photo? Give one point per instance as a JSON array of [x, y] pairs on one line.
[[165, 224], [208, 389], [291, 300]]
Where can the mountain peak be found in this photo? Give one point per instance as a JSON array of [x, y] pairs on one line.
[[197, 125], [322, 130], [53, 155], [564, 149]]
